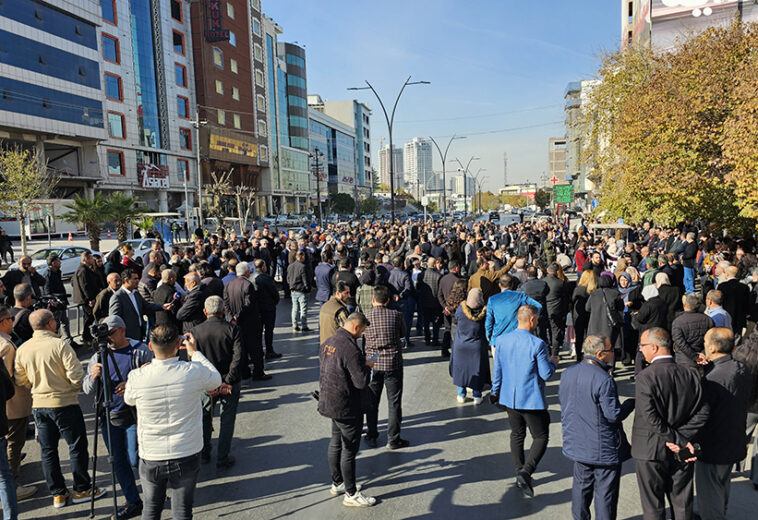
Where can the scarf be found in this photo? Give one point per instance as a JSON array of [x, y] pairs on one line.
[[474, 314]]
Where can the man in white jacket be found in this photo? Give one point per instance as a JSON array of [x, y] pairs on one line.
[[170, 427]]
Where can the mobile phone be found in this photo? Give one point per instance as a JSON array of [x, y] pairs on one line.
[[373, 358], [185, 337]]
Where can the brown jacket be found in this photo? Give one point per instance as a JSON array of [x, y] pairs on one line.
[[20, 405], [331, 317], [487, 280]]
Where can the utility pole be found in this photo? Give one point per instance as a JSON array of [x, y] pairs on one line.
[[197, 123], [505, 169], [316, 155]]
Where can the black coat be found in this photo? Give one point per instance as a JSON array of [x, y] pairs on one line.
[[241, 301], [54, 285], [343, 376], [165, 294], [297, 277], [669, 407], [736, 302], [15, 277], [599, 324], [652, 313], [688, 334], [7, 390], [537, 290], [215, 286], [428, 287], [86, 285], [191, 311], [267, 293], [557, 298], [671, 298], [220, 342]]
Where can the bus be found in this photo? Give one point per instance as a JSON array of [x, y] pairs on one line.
[[37, 220]]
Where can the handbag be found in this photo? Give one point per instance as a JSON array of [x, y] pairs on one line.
[[124, 418], [612, 318]]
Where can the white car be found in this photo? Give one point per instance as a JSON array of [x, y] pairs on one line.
[[140, 245], [70, 259]]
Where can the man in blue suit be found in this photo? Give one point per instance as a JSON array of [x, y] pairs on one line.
[[522, 366], [502, 309]]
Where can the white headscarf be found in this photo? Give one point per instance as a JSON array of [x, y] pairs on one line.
[[651, 291]]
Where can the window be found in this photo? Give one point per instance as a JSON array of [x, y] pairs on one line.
[[295, 60], [235, 94], [261, 129], [237, 121], [221, 117], [257, 5], [232, 39], [258, 50], [256, 27], [111, 51], [218, 58], [260, 102], [263, 152], [116, 126], [295, 81], [185, 139], [181, 74], [233, 65], [113, 87], [178, 43], [108, 8], [115, 163], [176, 10], [182, 165], [182, 107], [219, 87], [259, 78], [230, 10]]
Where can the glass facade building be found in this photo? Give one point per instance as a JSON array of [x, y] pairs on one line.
[[145, 77]]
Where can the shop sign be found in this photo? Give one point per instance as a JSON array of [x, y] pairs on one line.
[[215, 32], [220, 143], [152, 176]]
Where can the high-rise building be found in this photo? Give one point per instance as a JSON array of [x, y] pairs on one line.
[[635, 22], [227, 49], [51, 95], [556, 150], [336, 141], [418, 166], [286, 183], [397, 166], [576, 170]]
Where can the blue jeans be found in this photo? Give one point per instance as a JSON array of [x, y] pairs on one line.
[[66, 422], [228, 414], [7, 486], [689, 280], [474, 391], [299, 309], [122, 447], [179, 475]]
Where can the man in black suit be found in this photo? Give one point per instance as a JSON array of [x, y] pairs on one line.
[[213, 283], [736, 300], [537, 290], [86, 285], [557, 301], [220, 341], [191, 311], [165, 294], [241, 304], [24, 274], [268, 298], [130, 306], [669, 413]]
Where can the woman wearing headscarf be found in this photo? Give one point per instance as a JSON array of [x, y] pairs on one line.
[[652, 312], [605, 307], [113, 263], [635, 275], [581, 316], [631, 294], [469, 361], [670, 296]]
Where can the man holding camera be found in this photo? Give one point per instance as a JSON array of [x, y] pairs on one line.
[[221, 343], [86, 285], [128, 354], [170, 450], [54, 288]]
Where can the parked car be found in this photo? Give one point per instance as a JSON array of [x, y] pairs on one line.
[[140, 245], [70, 259]]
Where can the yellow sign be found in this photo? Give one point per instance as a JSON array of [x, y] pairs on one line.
[[234, 146]]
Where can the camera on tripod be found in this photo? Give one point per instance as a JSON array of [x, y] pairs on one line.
[[100, 331]]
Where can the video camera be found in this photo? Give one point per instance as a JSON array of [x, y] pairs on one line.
[[99, 331], [50, 302]]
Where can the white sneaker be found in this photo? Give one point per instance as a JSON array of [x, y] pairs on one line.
[[358, 500], [477, 400], [461, 399], [338, 490]]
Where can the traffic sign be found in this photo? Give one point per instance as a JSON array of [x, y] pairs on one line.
[[564, 193]]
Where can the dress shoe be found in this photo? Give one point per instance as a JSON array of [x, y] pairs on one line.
[[273, 355], [261, 377], [398, 444]]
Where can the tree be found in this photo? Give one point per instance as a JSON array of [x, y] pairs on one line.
[[145, 224], [25, 178], [90, 214], [245, 197], [542, 199], [369, 206], [489, 201], [341, 202], [220, 186], [516, 201], [123, 210]]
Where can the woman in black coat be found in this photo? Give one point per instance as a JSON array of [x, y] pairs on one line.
[[652, 313], [605, 307], [631, 293], [670, 296], [580, 315]]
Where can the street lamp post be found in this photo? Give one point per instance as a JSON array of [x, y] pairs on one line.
[[465, 195], [477, 183], [316, 155], [443, 157], [197, 123], [390, 121]]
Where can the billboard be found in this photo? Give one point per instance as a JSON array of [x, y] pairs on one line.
[[694, 8]]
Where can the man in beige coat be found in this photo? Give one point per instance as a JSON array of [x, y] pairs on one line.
[[18, 408]]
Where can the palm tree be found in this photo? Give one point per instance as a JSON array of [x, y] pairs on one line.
[[145, 224], [122, 210], [90, 214]]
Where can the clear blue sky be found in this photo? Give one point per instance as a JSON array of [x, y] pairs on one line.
[[493, 65]]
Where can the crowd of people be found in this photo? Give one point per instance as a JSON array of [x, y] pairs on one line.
[[501, 303]]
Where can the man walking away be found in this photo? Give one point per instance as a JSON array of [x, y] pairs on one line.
[[169, 450], [446, 286], [268, 299], [220, 342], [300, 286], [591, 417], [384, 338], [344, 373], [521, 368], [727, 387], [334, 312], [688, 331]]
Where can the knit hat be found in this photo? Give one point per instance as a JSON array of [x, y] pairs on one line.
[[475, 298]]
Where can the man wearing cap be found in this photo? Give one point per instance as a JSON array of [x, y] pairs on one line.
[[128, 354], [54, 287]]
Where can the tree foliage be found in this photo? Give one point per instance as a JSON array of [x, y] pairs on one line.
[[489, 201], [672, 135], [90, 214], [542, 199], [369, 206], [122, 210], [516, 201], [341, 202]]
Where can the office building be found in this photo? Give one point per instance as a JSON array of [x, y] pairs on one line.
[[556, 151], [336, 141], [286, 183], [227, 50], [51, 95], [397, 166], [419, 174], [576, 170]]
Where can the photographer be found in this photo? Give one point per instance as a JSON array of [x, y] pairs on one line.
[[54, 289], [23, 296], [25, 273], [128, 354], [169, 451]]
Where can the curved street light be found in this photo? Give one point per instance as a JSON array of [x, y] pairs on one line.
[[443, 157], [465, 171]]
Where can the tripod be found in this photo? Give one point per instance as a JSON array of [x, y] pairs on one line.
[[103, 400]]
